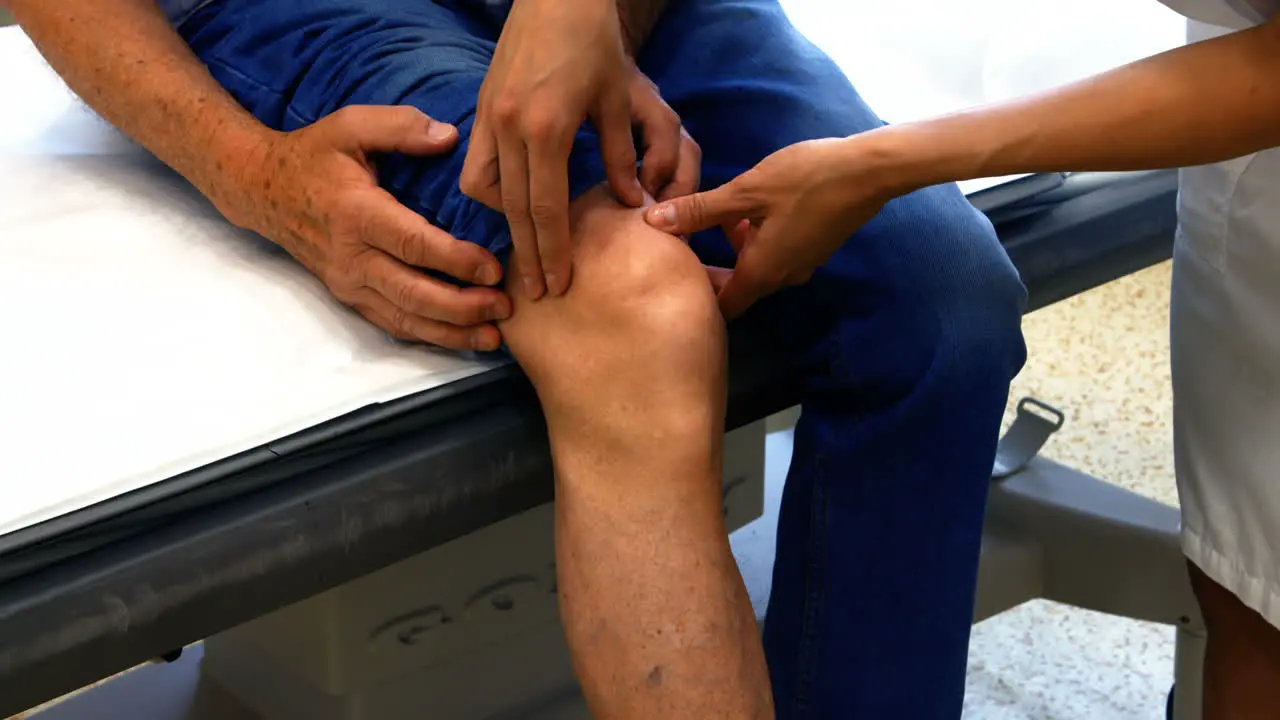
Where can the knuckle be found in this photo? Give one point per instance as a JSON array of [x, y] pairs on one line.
[[402, 246], [540, 131], [516, 206], [401, 323], [345, 291], [452, 339], [642, 82], [469, 312], [404, 119], [462, 259], [507, 110], [344, 218], [693, 148], [620, 153], [543, 125], [348, 284], [770, 278], [403, 297], [372, 317], [664, 156], [467, 181], [544, 214], [398, 333], [409, 115], [671, 120], [417, 249], [347, 119], [617, 98]]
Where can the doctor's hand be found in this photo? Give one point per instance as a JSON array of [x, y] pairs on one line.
[[785, 217], [557, 64], [314, 192], [671, 165]]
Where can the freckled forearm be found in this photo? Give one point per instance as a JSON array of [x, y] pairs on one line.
[[126, 62]]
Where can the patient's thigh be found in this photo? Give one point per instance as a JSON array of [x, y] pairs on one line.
[[292, 62]]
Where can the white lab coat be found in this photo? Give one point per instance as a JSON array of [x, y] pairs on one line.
[[1225, 343]]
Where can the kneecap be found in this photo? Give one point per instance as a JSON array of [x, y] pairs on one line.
[[640, 305]]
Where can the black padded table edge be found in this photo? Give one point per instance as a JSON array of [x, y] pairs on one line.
[[405, 484]]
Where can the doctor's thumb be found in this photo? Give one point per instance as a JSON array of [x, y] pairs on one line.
[[694, 213]]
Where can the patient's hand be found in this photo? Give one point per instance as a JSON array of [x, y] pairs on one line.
[[314, 192]]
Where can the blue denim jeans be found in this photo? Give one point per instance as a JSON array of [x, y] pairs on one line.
[[905, 342]]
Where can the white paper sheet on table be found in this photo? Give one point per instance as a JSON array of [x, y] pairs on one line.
[[141, 336]]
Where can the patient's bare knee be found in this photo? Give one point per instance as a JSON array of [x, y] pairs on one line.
[[638, 331]]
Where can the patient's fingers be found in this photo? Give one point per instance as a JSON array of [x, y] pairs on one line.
[[407, 236], [404, 325], [426, 297], [377, 128]]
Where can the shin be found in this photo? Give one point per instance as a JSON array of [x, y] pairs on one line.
[[630, 368]]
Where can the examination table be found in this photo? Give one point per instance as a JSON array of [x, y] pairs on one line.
[[339, 557]]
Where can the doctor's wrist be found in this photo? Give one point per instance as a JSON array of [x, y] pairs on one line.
[[901, 159], [888, 161]]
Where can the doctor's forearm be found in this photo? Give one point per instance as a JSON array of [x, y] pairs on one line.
[[1198, 104], [125, 61]]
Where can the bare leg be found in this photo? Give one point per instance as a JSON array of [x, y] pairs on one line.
[[1242, 656], [630, 368]]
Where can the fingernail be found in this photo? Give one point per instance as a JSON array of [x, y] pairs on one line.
[[552, 283], [477, 340], [499, 311], [440, 132], [487, 275], [663, 216], [531, 288]]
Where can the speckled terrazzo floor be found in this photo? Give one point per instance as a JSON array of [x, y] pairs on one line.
[[1101, 357]]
